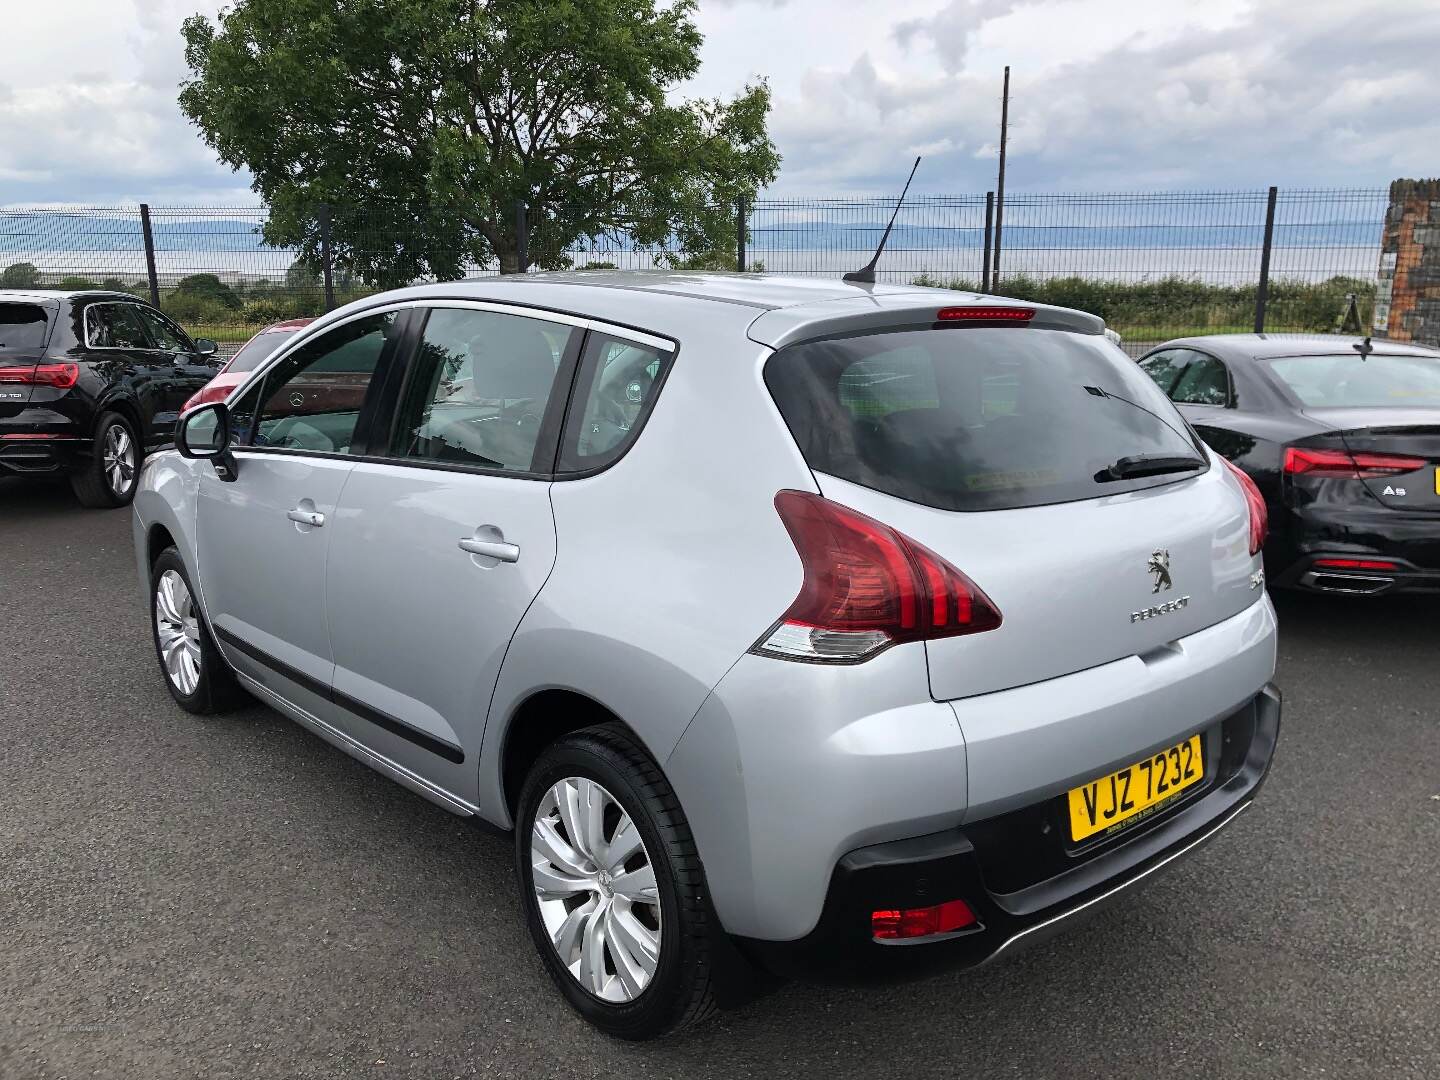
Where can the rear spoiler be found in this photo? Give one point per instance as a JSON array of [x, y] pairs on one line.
[[869, 313]]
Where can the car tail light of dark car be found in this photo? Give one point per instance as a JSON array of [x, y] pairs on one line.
[[1340, 465], [60, 376], [867, 587], [1259, 515]]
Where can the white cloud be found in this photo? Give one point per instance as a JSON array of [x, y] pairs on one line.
[[1106, 94]]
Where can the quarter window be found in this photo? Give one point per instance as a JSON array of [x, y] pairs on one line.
[[312, 399], [480, 387], [115, 326], [616, 387]]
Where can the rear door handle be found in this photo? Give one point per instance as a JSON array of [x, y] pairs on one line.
[[492, 549], [306, 517]]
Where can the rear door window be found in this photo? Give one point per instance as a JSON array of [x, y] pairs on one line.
[[976, 418], [479, 391], [22, 326], [115, 326], [1203, 382]]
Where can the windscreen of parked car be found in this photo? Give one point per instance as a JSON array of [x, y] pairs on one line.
[[978, 418], [1347, 381], [22, 326], [255, 351]]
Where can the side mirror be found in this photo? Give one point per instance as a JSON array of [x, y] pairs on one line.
[[206, 346], [204, 433]]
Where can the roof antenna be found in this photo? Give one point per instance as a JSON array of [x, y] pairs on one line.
[[866, 273], [1364, 348]]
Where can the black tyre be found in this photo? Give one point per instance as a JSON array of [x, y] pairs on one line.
[[195, 673], [613, 889], [108, 479]]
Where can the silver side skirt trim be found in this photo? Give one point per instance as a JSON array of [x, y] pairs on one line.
[[1124, 885], [379, 762]]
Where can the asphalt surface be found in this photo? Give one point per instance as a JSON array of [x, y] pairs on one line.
[[184, 897]]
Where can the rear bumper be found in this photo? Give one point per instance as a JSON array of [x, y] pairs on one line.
[[39, 457], [1410, 539], [1017, 900]]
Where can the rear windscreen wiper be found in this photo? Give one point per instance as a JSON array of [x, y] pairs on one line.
[[1147, 465]]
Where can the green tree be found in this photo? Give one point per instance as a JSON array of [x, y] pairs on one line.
[[20, 275], [74, 283], [424, 122], [208, 287]]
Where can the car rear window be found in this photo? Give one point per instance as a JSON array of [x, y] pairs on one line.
[[1347, 381], [976, 418], [255, 351], [22, 326]]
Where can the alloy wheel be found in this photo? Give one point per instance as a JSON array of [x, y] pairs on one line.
[[118, 459], [595, 888], [177, 630]]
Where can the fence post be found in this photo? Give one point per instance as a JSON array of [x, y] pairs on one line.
[[742, 215], [1262, 291], [989, 239], [149, 253], [522, 237], [327, 263]]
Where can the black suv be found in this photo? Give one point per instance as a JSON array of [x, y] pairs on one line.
[[90, 381]]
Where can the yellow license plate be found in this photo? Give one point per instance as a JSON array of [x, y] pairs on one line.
[[1136, 791]]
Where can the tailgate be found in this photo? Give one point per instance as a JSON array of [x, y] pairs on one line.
[[1079, 584], [1401, 433]]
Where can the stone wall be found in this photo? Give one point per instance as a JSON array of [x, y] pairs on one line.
[[1407, 307]]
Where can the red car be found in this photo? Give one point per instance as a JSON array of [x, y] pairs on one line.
[[250, 356]]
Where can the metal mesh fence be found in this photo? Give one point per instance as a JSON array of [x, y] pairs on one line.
[[1154, 265]]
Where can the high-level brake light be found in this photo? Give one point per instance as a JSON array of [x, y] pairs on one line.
[[985, 314], [867, 587]]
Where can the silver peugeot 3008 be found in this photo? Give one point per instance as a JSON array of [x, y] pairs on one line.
[[821, 629]]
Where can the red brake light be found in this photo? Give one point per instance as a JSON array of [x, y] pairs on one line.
[[1357, 564], [1339, 464], [1259, 515], [945, 918], [60, 376], [985, 314], [867, 587]]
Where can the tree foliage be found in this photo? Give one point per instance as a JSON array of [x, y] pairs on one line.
[[20, 275], [422, 123], [208, 287]]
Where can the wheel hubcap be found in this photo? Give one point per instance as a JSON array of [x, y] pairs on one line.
[[177, 628], [595, 887], [118, 459]]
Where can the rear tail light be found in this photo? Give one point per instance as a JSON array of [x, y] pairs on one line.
[[205, 395], [1357, 564], [894, 924], [1259, 515], [60, 376], [1339, 464], [866, 587], [985, 314]]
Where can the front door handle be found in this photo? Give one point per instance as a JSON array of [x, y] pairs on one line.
[[492, 549], [306, 517]]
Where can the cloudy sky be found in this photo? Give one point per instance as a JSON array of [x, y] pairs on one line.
[[1107, 94]]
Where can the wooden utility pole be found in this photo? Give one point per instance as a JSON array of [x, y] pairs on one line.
[[1000, 183]]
